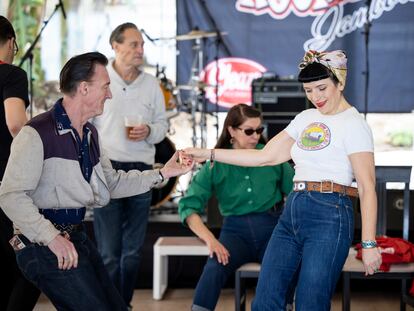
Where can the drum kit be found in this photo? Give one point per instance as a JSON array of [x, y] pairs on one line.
[[196, 107]]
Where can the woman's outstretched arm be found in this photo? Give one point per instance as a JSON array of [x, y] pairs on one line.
[[276, 151]]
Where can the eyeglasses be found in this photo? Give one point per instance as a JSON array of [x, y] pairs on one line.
[[15, 46], [250, 132]]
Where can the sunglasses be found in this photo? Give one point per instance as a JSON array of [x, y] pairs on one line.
[[250, 132]]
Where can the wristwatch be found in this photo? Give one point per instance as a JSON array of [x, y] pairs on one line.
[[160, 177]]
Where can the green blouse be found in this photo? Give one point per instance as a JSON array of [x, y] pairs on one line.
[[239, 190]]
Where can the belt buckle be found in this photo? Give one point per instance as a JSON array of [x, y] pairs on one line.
[[65, 229], [299, 186], [328, 191]]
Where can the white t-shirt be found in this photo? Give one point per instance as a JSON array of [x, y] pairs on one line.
[[324, 142]]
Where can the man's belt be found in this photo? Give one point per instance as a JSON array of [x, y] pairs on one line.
[[19, 241], [325, 186], [68, 228]]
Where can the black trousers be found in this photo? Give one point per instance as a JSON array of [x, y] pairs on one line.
[[18, 294]]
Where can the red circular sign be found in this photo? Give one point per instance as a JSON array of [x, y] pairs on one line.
[[235, 76]]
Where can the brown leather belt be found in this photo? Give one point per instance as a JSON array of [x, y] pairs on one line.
[[325, 186]]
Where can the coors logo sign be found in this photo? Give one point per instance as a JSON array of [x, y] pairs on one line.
[[235, 76]]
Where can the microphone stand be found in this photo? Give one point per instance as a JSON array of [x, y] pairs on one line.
[[29, 55], [367, 27], [219, 41], [153, 40]]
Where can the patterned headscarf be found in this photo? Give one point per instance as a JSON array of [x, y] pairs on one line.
[[335, 61]]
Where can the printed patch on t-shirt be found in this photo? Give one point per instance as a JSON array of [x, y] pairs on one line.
[[315, 136]]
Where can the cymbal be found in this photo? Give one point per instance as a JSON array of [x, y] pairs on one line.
[[194, 34], [190, 87]]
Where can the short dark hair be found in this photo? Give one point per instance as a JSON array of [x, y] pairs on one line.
[[315, 72], [117, 34], [236, 116], [79, 68], [6, 30]]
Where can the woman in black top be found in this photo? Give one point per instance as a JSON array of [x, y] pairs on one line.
[[18, 294]]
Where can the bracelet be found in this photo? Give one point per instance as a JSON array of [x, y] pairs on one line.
[[212, 157], [368, 244]]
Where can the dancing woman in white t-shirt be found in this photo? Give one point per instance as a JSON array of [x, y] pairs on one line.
[[330, 145]]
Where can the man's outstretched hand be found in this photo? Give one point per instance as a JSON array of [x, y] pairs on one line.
[[179, 164]]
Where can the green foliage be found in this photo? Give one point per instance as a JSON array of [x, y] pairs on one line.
[[27, 17], [402, 138]]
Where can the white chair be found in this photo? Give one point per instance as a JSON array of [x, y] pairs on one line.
[[172, 246]]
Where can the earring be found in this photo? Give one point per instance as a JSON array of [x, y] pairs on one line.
[[232, 140]]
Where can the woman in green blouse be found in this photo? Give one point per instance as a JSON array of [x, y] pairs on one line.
[[250, 199]]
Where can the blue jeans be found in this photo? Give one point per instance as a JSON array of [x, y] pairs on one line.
[[246, 238], [312, 238], [120, 229], [84, 288]]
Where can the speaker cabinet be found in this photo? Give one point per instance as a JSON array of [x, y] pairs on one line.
[[274, 124], [279, 101], [394, 203], [276, 97]]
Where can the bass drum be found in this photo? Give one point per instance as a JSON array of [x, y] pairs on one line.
[[163, 152]]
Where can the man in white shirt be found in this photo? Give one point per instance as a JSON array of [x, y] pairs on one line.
[[120, 227]]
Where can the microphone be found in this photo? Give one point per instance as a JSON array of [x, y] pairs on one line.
[[63, 8]]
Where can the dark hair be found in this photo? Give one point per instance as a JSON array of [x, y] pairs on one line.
[[315, 72], [6, 30], [117, 34], [79, 68], [236, 116]]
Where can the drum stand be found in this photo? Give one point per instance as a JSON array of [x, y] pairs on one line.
[[197, 99]]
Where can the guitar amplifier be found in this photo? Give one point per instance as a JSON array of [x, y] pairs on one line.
[[276, 97]]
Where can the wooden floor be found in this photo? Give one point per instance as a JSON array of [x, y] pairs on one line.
[[180, 299]]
